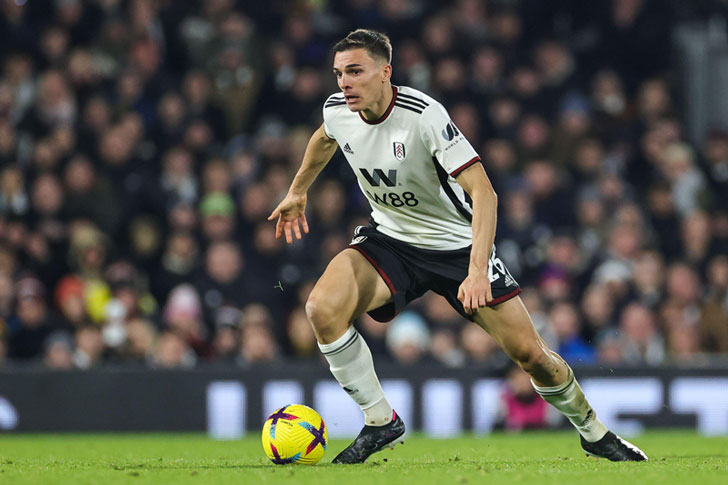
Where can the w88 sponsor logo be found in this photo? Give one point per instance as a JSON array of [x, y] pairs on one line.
[[394, 199]]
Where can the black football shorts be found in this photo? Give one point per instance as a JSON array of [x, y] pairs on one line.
[[410, 272]]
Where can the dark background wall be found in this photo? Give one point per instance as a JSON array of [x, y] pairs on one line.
[[228, 402]]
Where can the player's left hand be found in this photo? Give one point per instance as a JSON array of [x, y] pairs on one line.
[[475, 292]]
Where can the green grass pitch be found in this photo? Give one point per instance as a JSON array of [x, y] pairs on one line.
[[532, 458]]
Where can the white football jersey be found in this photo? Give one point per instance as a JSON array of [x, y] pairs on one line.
[[405, 163]]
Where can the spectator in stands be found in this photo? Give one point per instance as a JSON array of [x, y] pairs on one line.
[[408, 338], [221, 282], [69, 299], [13, 198], [444, 348], [47, 208], [32, 322], [178, 181], [677, 164], [58, 351], [713, 325], [479, 346], [683, 290], [257, 342], [177, 264], [254, 203], [89, 195], [89, 347], [171, 117], [300, 335], [564, 320], [641, 343], [597, 307], [551, 195], [128, 287], [145, 240], [3, 346], [696, 238], [648, 278], [591, 218], [226, 341], [217, 217], [140, 342], [375, 333], [715, 152], [520, 407], [216, 176], [182, 316], [610, 349], [171, 351], [664, 219], [683, 342], [197, 91], [7, 296]]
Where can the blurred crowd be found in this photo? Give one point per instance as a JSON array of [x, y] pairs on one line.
[[144, 143]]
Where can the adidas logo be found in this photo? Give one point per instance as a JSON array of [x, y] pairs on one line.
[[348, 149]]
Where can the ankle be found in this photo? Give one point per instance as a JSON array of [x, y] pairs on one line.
[[379, 414]]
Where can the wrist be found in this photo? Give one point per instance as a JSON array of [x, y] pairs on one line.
[[298, 193], [477, 270]]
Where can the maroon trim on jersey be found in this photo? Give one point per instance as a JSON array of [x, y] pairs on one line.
[[386, 113], [503, 298], [463, 167], [378, 268]]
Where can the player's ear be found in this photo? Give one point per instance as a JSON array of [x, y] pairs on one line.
[[387, 73]]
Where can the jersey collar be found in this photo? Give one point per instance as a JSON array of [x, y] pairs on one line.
[[386, 113]]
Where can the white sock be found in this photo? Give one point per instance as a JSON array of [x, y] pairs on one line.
[[351, 363], [570, 400]]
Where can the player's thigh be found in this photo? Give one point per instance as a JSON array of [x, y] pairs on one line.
[[510, 325], [350, 286]]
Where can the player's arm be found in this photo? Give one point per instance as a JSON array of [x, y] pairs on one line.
[[475, 291], [292, 208]]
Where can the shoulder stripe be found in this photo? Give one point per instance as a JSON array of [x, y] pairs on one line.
[[329, 105], [408, 107], [411, 103], [413, 99]]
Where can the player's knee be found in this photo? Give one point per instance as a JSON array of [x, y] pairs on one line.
[[533, 359], [322, 314]]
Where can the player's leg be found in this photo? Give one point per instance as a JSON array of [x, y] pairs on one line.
[[349, 287], [510, 325]]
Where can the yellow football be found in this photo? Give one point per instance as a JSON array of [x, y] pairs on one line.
[[295, 434]]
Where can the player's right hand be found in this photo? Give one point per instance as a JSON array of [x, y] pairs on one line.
[[290, 212]]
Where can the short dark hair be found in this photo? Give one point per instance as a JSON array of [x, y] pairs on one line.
[[375, 43]]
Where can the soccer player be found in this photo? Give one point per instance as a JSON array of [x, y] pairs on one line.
[[415, 168]]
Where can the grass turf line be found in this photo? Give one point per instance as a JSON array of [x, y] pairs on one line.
[[542, 458]]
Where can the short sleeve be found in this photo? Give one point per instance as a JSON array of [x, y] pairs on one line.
[[327, 128], [445, 142], [328, 113]]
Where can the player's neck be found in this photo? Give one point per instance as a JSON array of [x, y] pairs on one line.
[[379, 108]]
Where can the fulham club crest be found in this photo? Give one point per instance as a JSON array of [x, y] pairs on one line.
[[399, 153]]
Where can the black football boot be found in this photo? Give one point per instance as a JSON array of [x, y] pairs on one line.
[[372, 439], [613, 448]]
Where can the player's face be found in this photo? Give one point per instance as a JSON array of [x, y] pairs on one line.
[[361, 78]]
